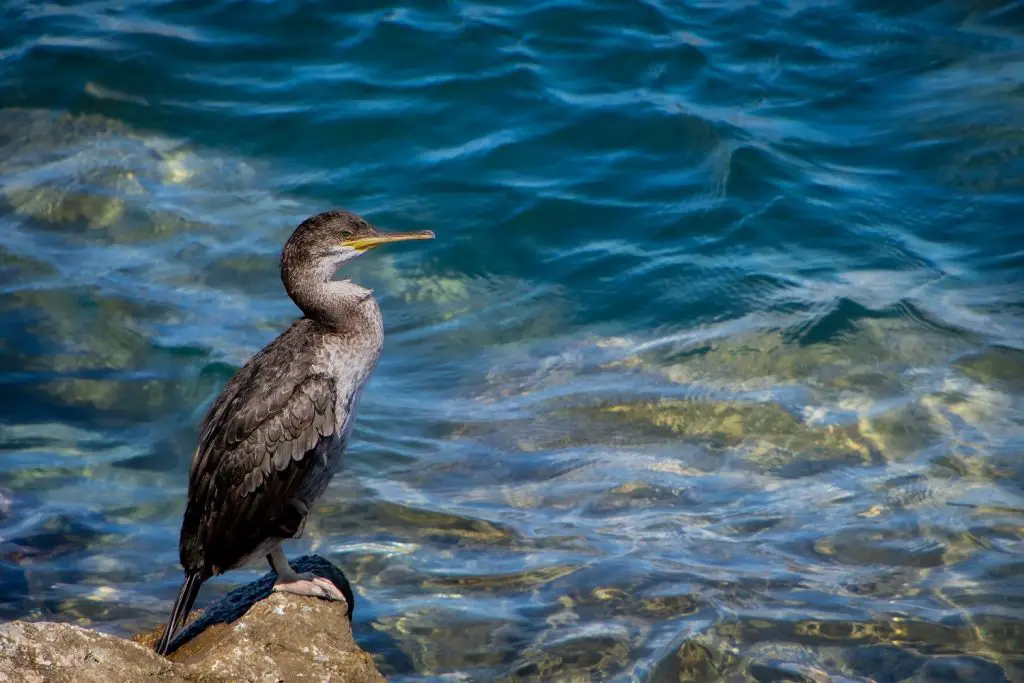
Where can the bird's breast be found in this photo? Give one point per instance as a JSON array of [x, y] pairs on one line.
[[349, 362]]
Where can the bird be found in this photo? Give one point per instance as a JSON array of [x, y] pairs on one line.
[[274, 437]]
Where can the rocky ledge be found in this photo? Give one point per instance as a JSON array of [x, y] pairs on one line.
[[252, 634]]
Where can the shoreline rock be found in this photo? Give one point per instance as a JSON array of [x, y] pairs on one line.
[[251, 634]]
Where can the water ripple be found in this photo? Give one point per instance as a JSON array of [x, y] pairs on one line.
[[714, 371]]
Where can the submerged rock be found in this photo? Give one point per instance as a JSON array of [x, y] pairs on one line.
[[252, 634]]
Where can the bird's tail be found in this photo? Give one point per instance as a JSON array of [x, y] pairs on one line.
[[182, 606]]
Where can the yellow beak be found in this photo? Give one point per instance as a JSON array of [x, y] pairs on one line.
[[364, 243]]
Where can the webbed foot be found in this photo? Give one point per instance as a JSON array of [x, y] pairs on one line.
[[309, 585]]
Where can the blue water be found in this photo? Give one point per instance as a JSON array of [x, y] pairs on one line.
[[715, 370]]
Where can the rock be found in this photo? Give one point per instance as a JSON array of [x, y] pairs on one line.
[[252, 634], [47, 652]]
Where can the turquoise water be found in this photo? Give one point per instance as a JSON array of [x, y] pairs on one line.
[[715, 370]]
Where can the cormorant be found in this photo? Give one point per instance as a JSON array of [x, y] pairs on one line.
[[274, 437]]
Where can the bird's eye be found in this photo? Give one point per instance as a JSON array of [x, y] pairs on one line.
[[346, 234]]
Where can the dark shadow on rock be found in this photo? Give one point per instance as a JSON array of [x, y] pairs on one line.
[[253, 634], [232, 606]]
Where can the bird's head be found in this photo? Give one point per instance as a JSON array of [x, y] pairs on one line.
[[329, 239]]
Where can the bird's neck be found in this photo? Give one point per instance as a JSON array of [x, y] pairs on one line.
[[323, 299]]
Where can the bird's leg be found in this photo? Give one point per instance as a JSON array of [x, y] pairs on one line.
[[289, 581]]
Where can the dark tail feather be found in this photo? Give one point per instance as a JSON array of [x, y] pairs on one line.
[[182, 606]]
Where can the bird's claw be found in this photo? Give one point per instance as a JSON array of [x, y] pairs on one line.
[[312, 586]]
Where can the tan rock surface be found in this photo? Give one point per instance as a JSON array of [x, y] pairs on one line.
[[252, 634]]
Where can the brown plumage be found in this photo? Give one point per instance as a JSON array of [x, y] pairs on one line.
[[275, 436], [272, 418]]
